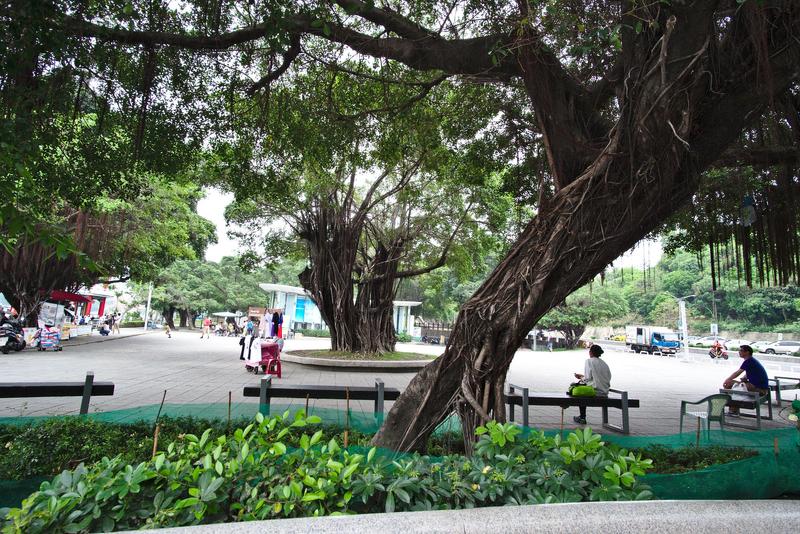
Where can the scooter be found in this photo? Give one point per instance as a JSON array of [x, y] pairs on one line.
[[11, 336], [717, 352]]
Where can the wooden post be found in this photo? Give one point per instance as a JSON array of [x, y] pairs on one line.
[[698, 433], [87, 392], [230, 393], [775, 444], [161, 406], [263, 397], [346, 416], [307, 397], [510, 403], [155, 440], [379, 400], [561, 431], [525, 405]]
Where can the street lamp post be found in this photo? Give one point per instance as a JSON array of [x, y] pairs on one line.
[[684, 326]]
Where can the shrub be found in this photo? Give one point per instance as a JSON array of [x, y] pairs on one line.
[[132, 324], [682, 460], [403, 337], [252, 474], [313, 332]]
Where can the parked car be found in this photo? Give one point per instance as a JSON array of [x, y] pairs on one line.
[[734, 344], [690, 340], [760, 346], [707, 341], [618, 337], [783, 347]]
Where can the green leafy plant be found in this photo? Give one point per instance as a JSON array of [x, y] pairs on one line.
[[255, 472]]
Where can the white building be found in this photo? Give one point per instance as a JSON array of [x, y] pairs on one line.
[[300, 311]]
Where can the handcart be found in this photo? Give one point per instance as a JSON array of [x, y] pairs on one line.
[[270, 361], [49, 339]]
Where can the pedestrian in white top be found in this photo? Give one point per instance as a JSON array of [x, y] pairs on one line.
[[596, 374]]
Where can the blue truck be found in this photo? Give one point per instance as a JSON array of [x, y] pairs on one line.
[[650, 339]]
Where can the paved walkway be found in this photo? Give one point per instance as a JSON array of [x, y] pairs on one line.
[[204, 371]]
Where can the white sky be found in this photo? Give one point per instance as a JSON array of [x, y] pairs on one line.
[[212, 207]]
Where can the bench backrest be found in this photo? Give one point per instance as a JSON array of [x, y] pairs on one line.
[[85, 389]]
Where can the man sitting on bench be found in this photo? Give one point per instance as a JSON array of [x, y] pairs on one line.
[[596, 374], [755, 378]]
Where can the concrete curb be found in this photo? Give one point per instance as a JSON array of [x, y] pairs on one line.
[[103, 339], [627, 517], [354, 364], [87, 340]]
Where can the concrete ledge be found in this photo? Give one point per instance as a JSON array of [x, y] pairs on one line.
[[602, 517], [354, 364]]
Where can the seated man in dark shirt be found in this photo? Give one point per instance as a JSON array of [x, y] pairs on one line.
[[755, 378]]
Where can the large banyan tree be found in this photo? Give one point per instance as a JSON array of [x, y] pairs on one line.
[[632, 101]]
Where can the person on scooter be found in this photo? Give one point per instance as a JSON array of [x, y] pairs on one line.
[[716, 350]]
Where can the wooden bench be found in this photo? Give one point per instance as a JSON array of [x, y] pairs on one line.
[[520, 396], [783, 383], [748, 400], [85, 389], [266, 391]]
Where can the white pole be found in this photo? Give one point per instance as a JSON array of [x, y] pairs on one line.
[[684, 328], [147, 309]]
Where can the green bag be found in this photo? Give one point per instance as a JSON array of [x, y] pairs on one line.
[[582, 391]]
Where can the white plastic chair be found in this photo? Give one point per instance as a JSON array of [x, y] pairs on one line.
[[714, 410]]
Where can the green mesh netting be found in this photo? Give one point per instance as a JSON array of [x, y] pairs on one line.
[[774, 472]]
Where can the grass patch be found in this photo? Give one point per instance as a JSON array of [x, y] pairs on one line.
[[668, 461], [343, 355]]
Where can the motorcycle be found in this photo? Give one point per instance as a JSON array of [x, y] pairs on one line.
[[717, 352], [11, 336]]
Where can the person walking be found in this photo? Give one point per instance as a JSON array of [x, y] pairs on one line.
[[597, 374], [115, 323], [206, 328]]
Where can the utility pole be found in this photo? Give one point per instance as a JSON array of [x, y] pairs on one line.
[[147, 309], [684, 325]]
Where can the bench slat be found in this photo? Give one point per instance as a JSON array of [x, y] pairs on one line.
[[12, 390], [322, 392], [564, 401]]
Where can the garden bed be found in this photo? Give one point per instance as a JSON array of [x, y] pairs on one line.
[[358, 356], [292, 467]]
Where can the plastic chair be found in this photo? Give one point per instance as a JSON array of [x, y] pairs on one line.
[[715, 410]]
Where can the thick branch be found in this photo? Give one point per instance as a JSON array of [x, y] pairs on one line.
[[402, 106], [389, 19], [442, 259], [82, 28], [288, 57], [460, 56]]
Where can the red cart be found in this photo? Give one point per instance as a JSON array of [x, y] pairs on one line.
[[270, 361]]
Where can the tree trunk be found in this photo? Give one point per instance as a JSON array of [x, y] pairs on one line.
[[169, 316], [184, 314], [572, 335], [671, 126]]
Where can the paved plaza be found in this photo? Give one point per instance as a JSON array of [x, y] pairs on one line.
[[194, 370]]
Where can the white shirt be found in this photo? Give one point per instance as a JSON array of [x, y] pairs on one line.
[[597, 374]]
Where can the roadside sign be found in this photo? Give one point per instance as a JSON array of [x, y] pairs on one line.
[[714, 329]]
